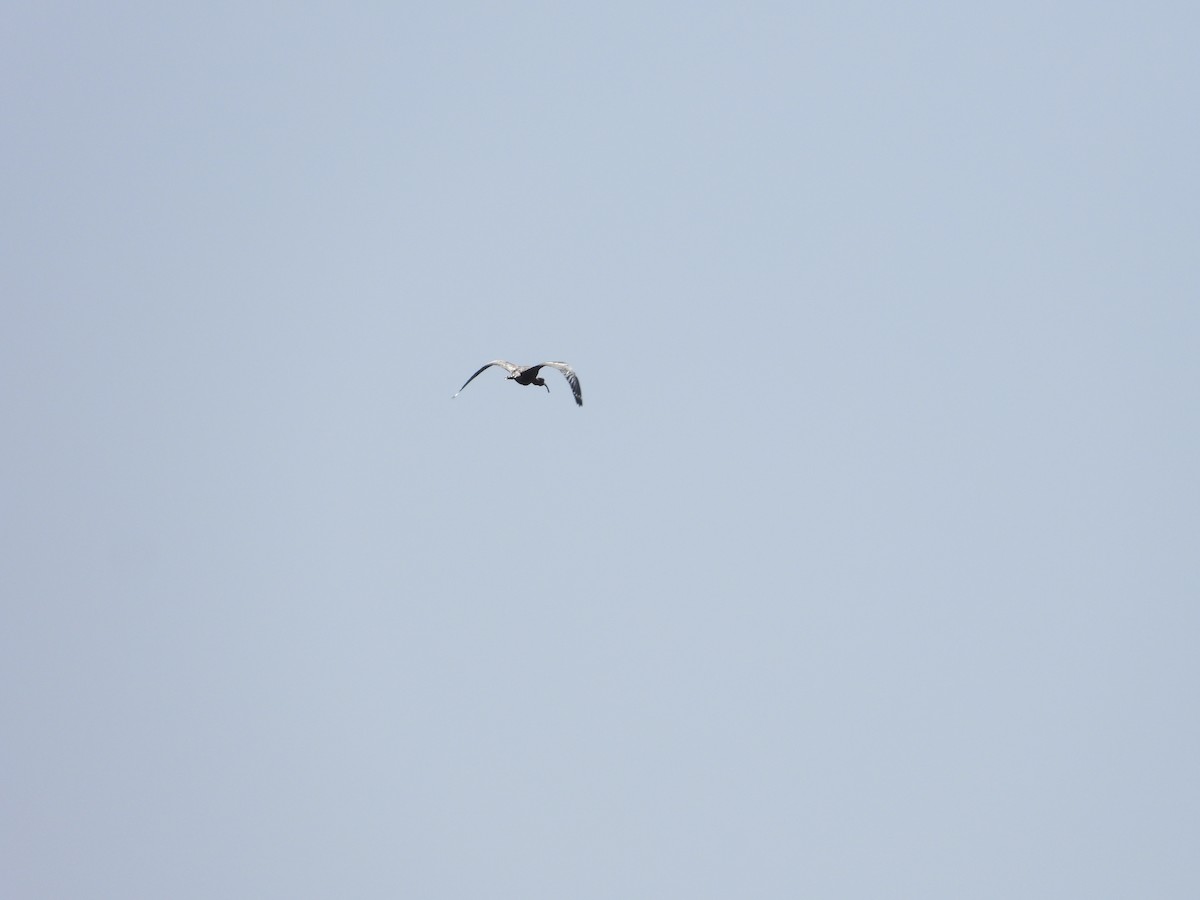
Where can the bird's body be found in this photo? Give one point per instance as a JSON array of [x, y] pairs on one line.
[[529, 375]]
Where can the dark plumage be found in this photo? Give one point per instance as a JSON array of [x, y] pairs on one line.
[[529, 375]]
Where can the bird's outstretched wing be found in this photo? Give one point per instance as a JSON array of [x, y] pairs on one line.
[[569, 374], [512, 370]]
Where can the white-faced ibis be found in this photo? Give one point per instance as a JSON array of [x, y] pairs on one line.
[[529, 375]]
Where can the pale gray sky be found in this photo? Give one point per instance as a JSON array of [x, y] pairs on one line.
[[868, 569]]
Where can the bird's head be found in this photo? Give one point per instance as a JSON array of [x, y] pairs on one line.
[[541, 382]]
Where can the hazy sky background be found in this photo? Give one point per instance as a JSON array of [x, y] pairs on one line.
[[869, 567]]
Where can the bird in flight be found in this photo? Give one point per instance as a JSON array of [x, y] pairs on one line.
[[529, 375]]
